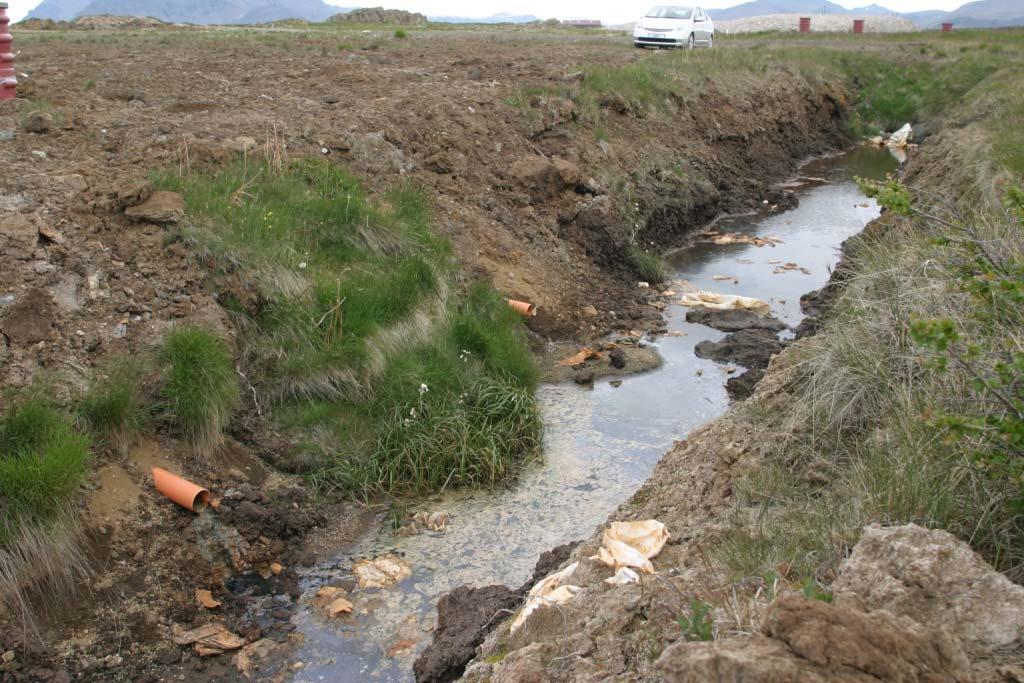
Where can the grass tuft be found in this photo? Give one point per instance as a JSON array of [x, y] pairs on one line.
[[649, 267], [112, 409], [200, 388]]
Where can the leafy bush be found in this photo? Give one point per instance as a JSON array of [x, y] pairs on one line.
[[200, 389], [112, 408], [400, 34]]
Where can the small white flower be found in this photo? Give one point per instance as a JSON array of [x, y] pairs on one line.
[[324, 150], [424, 389], [412, 413], [302, 265]]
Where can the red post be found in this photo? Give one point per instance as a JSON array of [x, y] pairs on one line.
[[8, 82], [805, 24], [947, 26], [858, 26]]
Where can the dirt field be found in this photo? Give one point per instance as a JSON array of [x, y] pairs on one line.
[[538, 193]]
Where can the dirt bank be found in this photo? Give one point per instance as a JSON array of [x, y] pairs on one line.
[[537, 192]]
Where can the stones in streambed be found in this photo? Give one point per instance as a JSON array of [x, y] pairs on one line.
[[733, 320], [751, 348], [466, 615]]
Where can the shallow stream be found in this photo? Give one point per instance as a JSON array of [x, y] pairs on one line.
[[600, 443]]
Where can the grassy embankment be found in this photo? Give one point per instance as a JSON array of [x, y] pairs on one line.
[[909, 405], [357, 346]]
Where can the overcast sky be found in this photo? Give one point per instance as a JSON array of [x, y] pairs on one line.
[[610, 11]]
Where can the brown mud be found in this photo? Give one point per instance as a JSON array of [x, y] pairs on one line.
[[528, 194]]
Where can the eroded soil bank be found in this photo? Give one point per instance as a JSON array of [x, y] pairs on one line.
[[537, 193]]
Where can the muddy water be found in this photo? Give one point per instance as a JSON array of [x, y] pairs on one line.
[[600, 443]]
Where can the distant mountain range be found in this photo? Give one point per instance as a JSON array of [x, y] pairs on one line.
[[502, 18], [979, 14], [191, 11]]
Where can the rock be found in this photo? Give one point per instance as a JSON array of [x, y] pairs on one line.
[[742, 386], [545, 178], [51, 234], [733, 320], [438, 163], [30, 318], [373, 152], [463, 618], [590, 311], [583, 375], [18, 235], [37, 122], [813, 642], [474, 73], [617, 358], [159, 207], [749, 348], [936, 579]]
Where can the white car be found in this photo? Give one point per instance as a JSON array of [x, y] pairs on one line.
[[673, 26]]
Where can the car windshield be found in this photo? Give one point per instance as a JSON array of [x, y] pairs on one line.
[[669, 13]]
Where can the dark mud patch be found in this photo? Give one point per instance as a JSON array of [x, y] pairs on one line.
[[751, 348], [734, 320]]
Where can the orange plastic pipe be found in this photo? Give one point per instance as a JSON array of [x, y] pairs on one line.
[[181, 491], [523, 308]]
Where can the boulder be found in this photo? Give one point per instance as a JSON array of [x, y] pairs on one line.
[[936, 579], [812, 642], [159, 207]]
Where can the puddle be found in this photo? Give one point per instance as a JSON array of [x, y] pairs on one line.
[[600, 444]]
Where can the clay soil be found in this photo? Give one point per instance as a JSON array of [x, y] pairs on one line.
[[537, 194]]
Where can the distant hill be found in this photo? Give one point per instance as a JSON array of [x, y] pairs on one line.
[[979, 14], [190, 11], [757, 8], [379, 15]]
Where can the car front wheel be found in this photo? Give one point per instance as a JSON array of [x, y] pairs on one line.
[[711, 41], [689, 42]]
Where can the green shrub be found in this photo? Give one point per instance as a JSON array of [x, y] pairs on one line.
[[112, 409], [400, 34], [200, 389], [42, 463], [649, 267]]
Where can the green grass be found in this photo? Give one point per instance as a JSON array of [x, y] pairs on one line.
[[200, 389], [354, 311], [42, 463], [112, 408], [650, 268]]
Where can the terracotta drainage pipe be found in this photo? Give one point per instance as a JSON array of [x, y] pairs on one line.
[[527, 310], [181, 491]]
